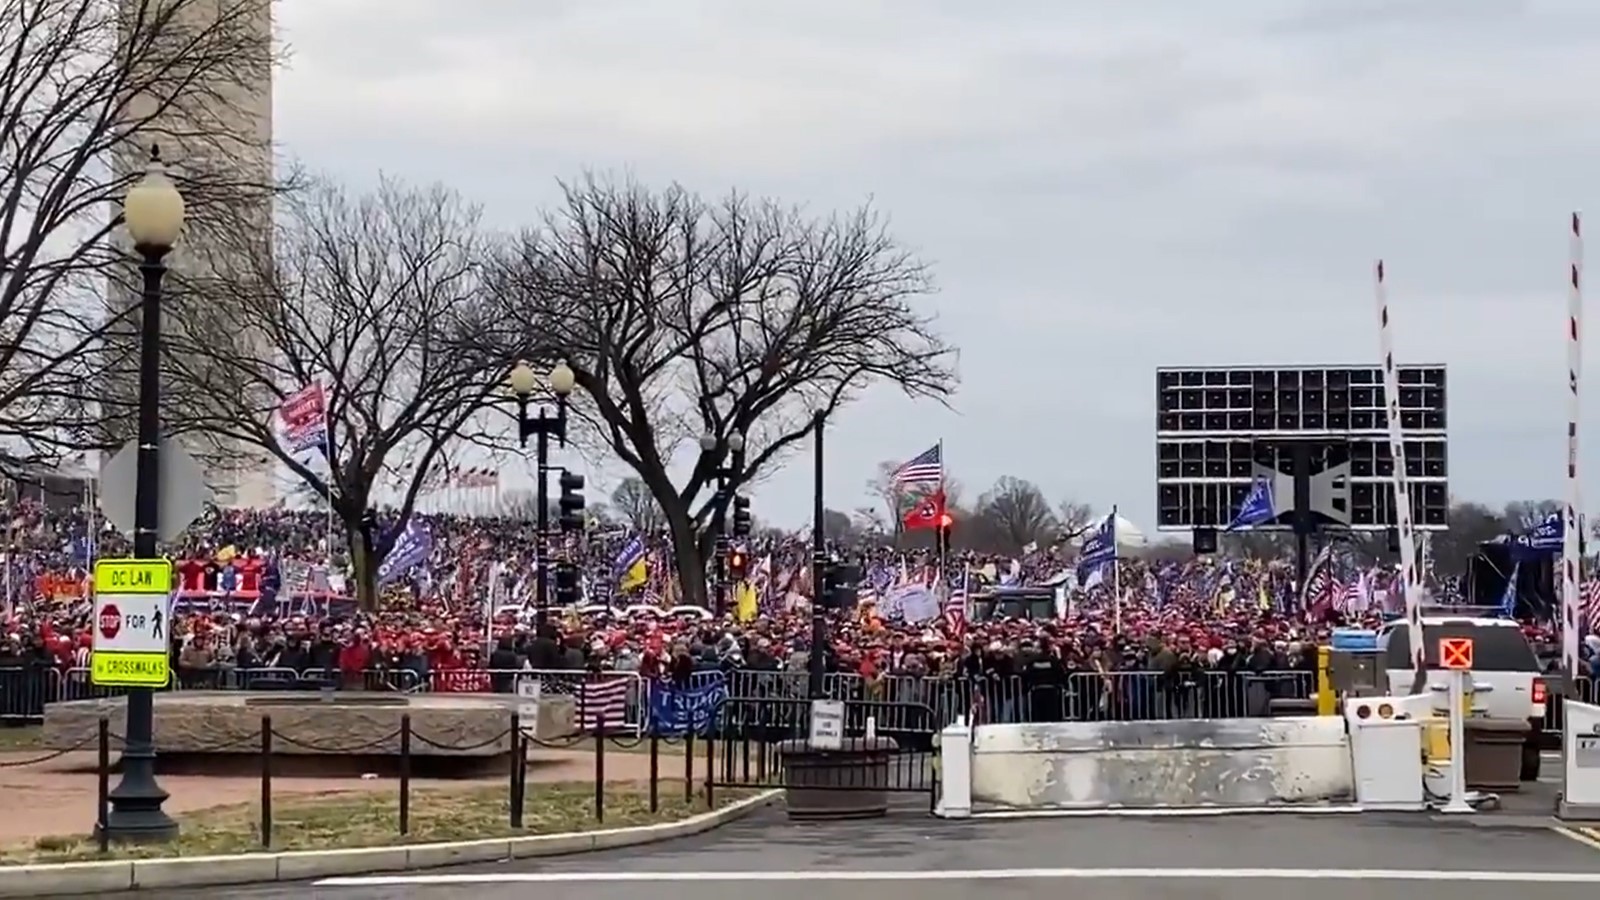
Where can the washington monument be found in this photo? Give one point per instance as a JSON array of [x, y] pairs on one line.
[[215, 133]]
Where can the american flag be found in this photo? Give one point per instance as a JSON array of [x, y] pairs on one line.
[[1589, 596], [1354, 600], [1322, 591], [926, 467], [602, 704]]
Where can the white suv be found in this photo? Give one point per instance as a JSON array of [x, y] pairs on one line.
[[1501, 657]]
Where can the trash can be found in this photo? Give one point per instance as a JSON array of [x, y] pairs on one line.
[[1494, 753], [852, 783]]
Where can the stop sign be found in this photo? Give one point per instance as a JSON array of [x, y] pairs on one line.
[[110, 621]]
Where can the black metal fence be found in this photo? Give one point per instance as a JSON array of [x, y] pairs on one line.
[[1083, 696], [763, 743], [269, 746]]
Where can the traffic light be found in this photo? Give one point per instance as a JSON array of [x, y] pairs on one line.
[[566, 584], [738, 565], [570, 517], [741, 516]]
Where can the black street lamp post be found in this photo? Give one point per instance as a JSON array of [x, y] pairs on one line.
[[542, 427], [819, 567], [727, 477], [153, 213]]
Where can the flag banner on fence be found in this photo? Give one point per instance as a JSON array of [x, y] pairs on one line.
[[301, 422], [676, 710], [603, 704], [411, 548]]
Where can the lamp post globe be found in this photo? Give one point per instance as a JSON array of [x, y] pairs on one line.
[[708, 442], [736, 442], [153, 210], [522, 379], [562, 379]]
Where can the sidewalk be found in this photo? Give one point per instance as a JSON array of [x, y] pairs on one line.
[[58, 797]]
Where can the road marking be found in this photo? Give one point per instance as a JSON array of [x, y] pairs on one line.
[[1583, 834], [1580, 834], [971, 875]]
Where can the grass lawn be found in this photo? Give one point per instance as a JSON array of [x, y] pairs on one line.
[[25, 737], [371, 820]]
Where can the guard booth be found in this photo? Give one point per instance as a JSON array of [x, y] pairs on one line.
[[1349, 666]]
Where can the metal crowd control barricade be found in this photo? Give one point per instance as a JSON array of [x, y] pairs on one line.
[[76, 685], [24, 691], [1083, 696], [634, 699]]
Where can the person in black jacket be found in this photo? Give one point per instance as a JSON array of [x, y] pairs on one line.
[[545, 651], [503, 663], [1042, 679]]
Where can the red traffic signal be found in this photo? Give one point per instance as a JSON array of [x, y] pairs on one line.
[[736, 564]]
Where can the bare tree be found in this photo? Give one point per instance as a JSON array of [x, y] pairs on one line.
[[362, 297], [86, 86], [682, 318], [838, 527], [869, 522], [1074, 517], [1016, 513], [890, 494], [637, 506]]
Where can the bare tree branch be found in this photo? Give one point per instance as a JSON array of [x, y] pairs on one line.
[[1015, 514], [683, 317], [362, 296], [86, 86], [635, 504]]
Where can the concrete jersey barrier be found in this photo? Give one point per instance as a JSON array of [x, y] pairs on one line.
[[1175, 764]]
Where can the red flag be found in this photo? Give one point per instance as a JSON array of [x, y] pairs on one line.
[[927, 513]]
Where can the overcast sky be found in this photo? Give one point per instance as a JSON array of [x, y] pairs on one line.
[[1102, 187]]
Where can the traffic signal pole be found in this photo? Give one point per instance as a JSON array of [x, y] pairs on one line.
[[541, 545], [569, 522], [542, 427]]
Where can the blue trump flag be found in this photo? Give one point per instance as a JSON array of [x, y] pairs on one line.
[[1099, 548], [1508, 598], [1545, 537], [1258, 506], [675, 711], [630, 554], [412, 548]]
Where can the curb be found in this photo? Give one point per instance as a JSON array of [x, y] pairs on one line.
[[212, 871]]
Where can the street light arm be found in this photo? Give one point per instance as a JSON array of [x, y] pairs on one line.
[[561, 420]]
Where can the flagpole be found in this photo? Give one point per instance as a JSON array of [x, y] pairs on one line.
[[943, 539], [1410, 592], [1116, 571], [11, 525], [1571, 536], [90, 528], [327, 431]]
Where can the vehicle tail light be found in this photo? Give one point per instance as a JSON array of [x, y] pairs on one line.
[[1540, 691]]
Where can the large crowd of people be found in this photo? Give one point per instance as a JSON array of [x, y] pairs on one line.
[[266, 595]]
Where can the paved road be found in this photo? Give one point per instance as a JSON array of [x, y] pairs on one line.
[[924, 859]]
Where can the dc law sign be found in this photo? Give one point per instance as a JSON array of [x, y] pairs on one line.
[[132, 623]]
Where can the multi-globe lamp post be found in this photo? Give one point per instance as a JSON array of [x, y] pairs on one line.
[[561, 382], [153, 214]]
